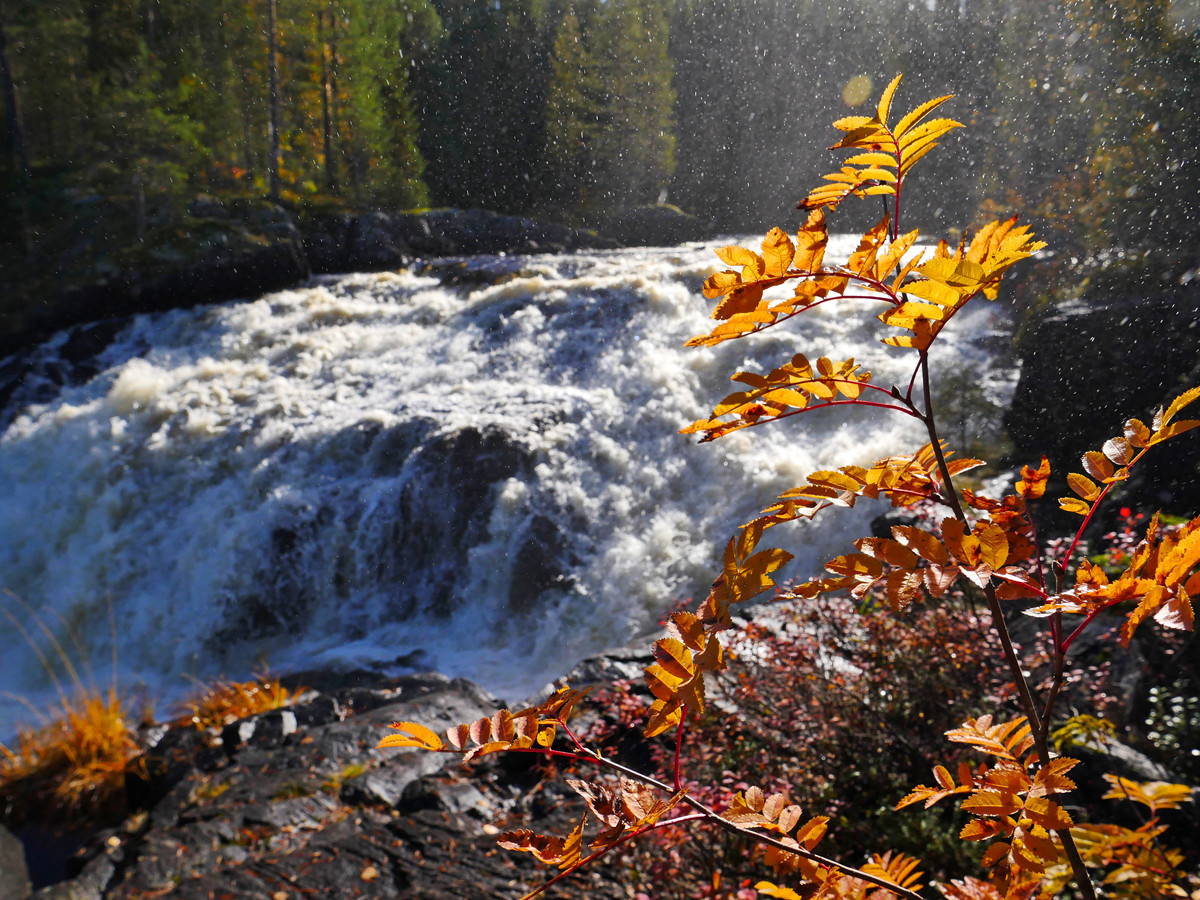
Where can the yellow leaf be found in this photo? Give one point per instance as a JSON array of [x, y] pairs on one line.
[[1154, 794], [734, 255], [993, 546], [992, 803], [413, 735], [674, 657], [1070, 504], [778, 252], [774, 890], [918, 114], [1176, 405], [872, 159], [934, 292], [885, 102], [1083, 486]]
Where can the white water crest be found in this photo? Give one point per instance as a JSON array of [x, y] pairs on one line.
[[475, 469]]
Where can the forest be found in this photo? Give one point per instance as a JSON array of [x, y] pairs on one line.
[[118, 113]]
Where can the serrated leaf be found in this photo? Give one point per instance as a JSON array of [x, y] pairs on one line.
[[992, 803], [1083, 486], [413, 734], [1176, 405], [923, 543], [545, 848], [918, 114], [1097, 465], [885, 101], [1119, 451], [1071, 505], [778, 251]]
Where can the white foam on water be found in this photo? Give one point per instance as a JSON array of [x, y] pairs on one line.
[[485, 480]]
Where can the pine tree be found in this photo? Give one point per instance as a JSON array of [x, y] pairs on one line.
[[636, 156], [574, 114]]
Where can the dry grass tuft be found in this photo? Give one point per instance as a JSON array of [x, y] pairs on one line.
[[217, 704], [75, 763]]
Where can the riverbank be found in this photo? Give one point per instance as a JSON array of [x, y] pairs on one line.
[[243, 249], [298, 801]]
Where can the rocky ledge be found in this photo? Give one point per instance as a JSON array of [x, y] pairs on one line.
[[299, 802], [236, 251]]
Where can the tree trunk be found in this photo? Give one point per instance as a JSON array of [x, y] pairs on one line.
[[327, 101], [12, 109], [273, 89], [16, 140]]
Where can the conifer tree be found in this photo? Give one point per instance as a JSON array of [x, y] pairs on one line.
[[574, 105], [637, 154]]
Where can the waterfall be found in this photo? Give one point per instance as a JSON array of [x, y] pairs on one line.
[[472, 467]]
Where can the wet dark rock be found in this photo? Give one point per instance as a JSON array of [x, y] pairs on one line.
[[245, 250], [348, 242], [317, 809], [655, 226], [14, 872], [1094, 363], [539, 565], [206, 207]]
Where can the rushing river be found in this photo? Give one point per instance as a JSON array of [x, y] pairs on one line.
[[474, 469]]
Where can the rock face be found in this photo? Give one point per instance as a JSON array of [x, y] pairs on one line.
[[267, 249], [299, 801], [655, 226], [14, 874], [1093, 364]]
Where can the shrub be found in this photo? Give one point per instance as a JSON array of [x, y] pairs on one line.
[[1012, 806]]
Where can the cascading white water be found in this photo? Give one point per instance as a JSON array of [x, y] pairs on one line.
[[475, 470]]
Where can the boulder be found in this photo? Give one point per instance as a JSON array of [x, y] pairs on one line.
[[14, 874], [655, 226], [1092, 364]]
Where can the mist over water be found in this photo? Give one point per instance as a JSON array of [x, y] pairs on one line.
[[475, 470]]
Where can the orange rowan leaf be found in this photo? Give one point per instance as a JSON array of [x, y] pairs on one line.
[[923, 543], [994, 854], [1006, 740], [1097, 465], [1070, 504], [992, 803], [545, 848], [899, 870], [778, 252], [939, 578], [487, 748], [982, 830], [1047, 813], [1033, 481], [1154, 794], [412, 735], [1137, 433], [1051, 778]]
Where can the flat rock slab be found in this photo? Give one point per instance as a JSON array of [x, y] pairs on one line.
[[301, 803]]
